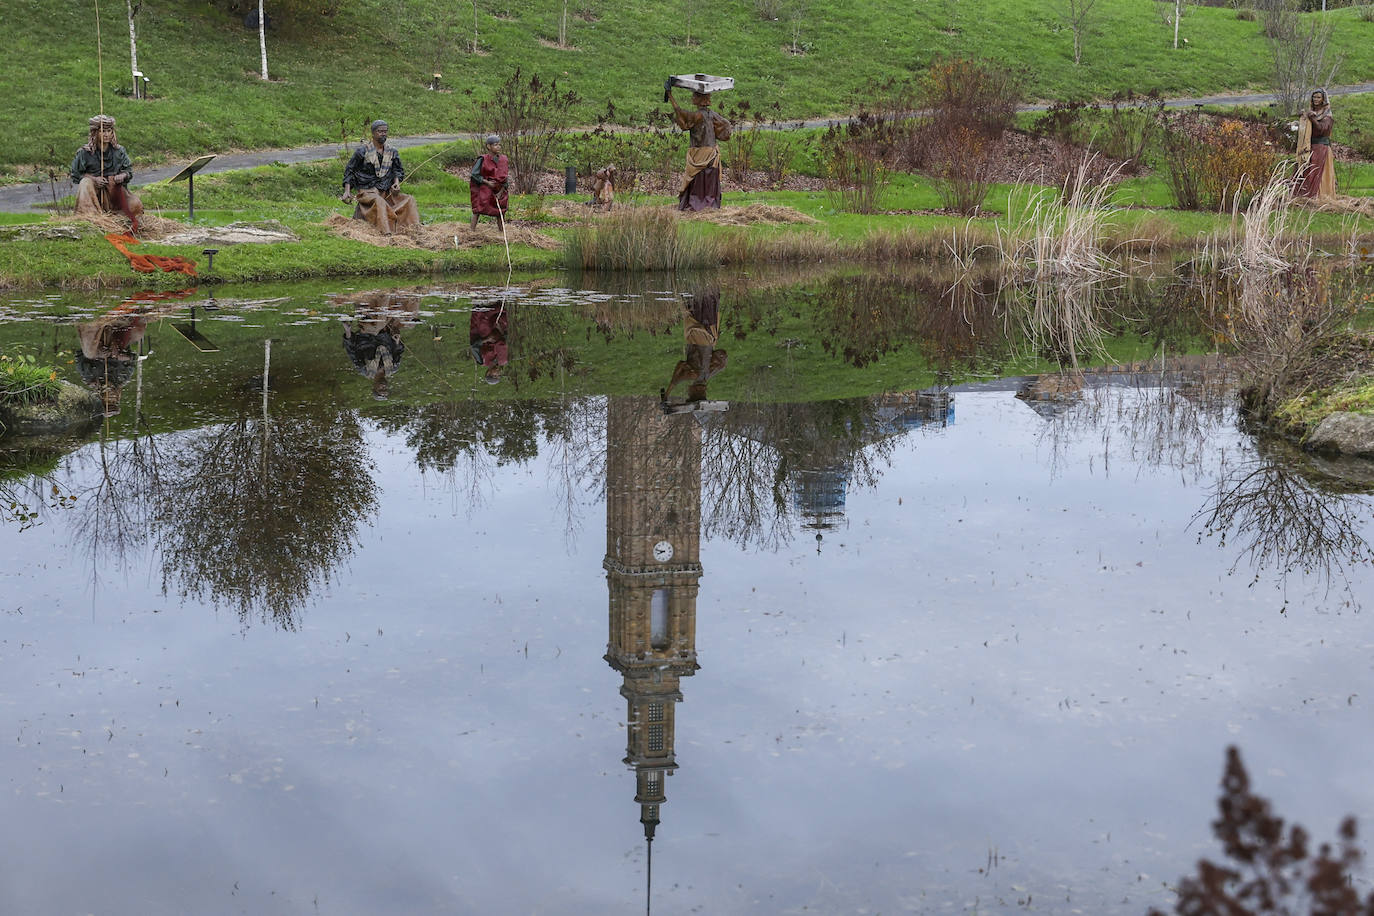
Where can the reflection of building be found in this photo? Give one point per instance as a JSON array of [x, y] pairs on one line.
[[653, 523], [906, 410], [819, 496], [819, 491]]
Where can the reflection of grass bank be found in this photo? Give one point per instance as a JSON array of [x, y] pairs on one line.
[[912, 230], [1299, 338]]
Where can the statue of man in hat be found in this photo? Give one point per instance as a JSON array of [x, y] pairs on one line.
[[101, 172], [700, 188], [373, 178], [488, 189]]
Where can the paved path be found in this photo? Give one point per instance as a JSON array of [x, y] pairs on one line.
[[26, 198]]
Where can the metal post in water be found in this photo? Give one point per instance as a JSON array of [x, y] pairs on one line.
[[266, 371]]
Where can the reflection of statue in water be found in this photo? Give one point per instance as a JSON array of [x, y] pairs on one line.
[[373, 339], [702, 360], [106, 360], [487, 331]]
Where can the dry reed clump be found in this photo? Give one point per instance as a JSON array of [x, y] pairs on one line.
[[640, 239], [439, 236], [1063, 235], [1264, 238]]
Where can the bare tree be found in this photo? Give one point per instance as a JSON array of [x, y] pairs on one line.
[[796, 16], [262, 37], [563, 26], [475, 44], [1301, 55], [1078, 15], [133, 9], [1171, 11]]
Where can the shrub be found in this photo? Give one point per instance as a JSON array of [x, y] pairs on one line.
[[961, 163], [1272, 871], [1212, 166], [856, 162], [777, 152], [529, 115], [977, 94]]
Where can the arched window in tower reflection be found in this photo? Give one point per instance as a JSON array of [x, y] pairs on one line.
[[372, 339], [658, 618], [488, 328]]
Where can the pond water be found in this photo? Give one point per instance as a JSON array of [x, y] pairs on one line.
[[429, 601]]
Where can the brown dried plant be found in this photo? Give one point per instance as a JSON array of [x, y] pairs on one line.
[[1271, 870]]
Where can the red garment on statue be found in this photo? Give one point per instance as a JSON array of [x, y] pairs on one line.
[[484, 198], [1310, 179]]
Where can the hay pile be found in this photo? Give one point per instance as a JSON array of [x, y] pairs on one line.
[[1364, 206], [754, 214], [151, 227], [439, 236]]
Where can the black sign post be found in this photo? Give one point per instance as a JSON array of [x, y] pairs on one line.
[[189, 173]]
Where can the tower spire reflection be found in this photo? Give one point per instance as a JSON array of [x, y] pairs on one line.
[[653, 524]]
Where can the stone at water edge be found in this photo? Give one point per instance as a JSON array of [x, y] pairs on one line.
[[75, 407], [1344, 433]]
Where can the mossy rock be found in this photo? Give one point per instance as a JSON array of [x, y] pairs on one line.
[[33, 232], [74, 409]]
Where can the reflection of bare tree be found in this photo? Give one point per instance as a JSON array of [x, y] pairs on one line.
[[1292, 513], [759, 459], [1158, 414], [263, 510]]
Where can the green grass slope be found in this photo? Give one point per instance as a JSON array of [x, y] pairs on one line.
[[372, 59]]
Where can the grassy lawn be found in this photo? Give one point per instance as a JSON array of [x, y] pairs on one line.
[[373, 58], [303, 197]]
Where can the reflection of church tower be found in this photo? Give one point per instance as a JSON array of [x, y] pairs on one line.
[[653, 521]]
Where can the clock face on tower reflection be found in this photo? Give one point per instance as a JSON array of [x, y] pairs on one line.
[[663, 551]]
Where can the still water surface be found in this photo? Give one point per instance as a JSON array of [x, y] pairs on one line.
[[945, 652]]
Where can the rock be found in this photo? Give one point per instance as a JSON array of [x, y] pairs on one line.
[[32, 232], [75, 408], [1344, 434], [233, 234]]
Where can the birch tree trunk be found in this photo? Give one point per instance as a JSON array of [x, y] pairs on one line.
[[133, 43], [262, 38], [1178, 14]]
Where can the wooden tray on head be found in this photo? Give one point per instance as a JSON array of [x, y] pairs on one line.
[[702, 82]]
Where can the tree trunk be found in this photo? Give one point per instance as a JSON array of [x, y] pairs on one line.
[[563, 27], [133, 45], [474, 26], [1178, 13], [262, 38]]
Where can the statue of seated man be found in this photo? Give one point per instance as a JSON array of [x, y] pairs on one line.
[[101, 172], [373, 178]]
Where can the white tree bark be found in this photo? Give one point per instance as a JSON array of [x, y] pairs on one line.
[[262, 37], [1178, 14], [133, 43]]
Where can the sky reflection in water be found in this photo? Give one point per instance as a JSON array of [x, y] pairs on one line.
[[947, 661]]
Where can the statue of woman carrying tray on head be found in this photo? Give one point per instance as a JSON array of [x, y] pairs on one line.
[[701, 180]]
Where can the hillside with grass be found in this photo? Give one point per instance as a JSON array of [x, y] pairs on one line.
[[332, 73]]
